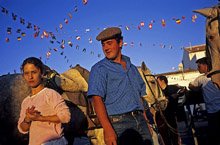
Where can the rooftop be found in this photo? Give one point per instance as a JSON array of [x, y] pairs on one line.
[[195, 48]]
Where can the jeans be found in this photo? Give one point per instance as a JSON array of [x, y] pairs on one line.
[[131, 129], [81, 141], [59, 141]]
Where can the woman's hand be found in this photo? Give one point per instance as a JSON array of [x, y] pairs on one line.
[[32, 114]]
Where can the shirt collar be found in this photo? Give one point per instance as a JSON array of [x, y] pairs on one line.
[[125, 58]]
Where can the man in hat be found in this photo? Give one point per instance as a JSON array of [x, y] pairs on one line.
[[116, 88], [211, 96]]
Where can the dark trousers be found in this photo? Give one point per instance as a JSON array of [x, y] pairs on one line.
[[214, 128], [169, 137]]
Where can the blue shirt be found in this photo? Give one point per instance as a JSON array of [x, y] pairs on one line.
[[120, 89], [211, 93]]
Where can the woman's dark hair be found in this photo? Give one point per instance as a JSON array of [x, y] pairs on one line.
[[35, 61]]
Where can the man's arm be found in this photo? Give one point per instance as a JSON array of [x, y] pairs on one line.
[[109, 133], [194, 88]]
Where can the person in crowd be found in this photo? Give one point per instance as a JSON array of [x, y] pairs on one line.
[[116, 89], [211, 96], [169, 131], [44, 110]]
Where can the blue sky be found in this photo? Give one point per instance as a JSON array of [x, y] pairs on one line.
[[160, 47]]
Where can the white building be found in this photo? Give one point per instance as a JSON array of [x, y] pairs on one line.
[[187, 69], [191, 54]]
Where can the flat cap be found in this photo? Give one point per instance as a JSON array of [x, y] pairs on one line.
[[109, 33]]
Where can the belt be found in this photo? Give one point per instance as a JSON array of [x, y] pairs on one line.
[[135, 112], [116, 118], [132, 113]]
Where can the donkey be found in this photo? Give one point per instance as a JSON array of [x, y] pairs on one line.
[[212, 41], [155, 98]]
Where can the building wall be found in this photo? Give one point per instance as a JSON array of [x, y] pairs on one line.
[[182, 79], [188, 66], [189, 59]]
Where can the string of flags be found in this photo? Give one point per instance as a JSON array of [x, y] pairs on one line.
[[53, 38], [45, 34]]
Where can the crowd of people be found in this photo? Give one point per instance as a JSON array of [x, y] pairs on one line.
[[116, 89]]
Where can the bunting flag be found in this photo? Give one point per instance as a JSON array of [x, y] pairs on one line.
[[75, 9], [163, 22], [178, 21], [45, 34], [29, 25], [19, 38], [18, 31], [66, 21], [14, 17], [92, 52], [90, 40], [194, 17], [48, 54], [70, 15], [87, 30], [23, 34], [7, 39], [127, 28], [61, 26], [142, 24], [36, 28], [150, 26], [78, 37], [62, 46], [36, 34], [77, 46], [9, 30], [140, 44], [62, 42], [4, 10], [22, 21], [125, 44], [85, 2], [70, 43]]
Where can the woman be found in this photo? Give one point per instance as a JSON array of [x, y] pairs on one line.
[[44, 110]]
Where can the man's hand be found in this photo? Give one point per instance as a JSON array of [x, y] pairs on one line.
[[194, 88], [110, 136]]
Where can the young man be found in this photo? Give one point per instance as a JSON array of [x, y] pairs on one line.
[[172, 92], [116, 88], [211, 96]]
